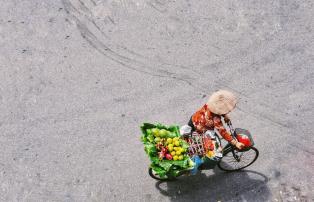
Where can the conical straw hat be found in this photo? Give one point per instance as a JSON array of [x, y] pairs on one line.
[[222, 102]]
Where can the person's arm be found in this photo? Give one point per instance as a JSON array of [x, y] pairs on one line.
[[221, 129], [223, 132]]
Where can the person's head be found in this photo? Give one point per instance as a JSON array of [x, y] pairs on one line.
[[222, 102]]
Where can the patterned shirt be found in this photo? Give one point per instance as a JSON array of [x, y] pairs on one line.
[[204, 120]]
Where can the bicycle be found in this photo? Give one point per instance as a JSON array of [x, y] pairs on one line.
[[232, 159]]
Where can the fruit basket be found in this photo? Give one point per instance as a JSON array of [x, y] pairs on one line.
[[207, 146], [198, 144], [166, 150]]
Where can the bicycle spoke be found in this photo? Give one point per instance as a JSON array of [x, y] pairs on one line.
[[249, 155], [231, 160], [243, 163], [236, 165], [240, 164]]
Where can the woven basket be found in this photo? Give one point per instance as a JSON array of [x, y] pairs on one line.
[[200, 144]]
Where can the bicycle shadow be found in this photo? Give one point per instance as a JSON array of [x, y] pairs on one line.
[[236, 186]]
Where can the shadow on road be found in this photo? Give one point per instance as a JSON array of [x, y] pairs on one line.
[[237, 186]]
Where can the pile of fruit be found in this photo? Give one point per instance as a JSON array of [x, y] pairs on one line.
[[166, 150]]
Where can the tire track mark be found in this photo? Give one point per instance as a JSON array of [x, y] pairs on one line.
[[125, 61], [163, 11], [127, 49], [133, 53], [87, 15], [83, 28]]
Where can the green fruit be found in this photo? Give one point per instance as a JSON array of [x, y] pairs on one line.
[[157, 139], [155, 132], [163, 133], [171, 134]]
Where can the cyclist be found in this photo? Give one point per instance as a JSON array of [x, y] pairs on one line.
[[209, 117]]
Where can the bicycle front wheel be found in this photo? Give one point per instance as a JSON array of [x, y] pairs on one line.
[[235, 160]]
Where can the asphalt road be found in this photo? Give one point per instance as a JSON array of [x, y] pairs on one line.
[[78, 77]]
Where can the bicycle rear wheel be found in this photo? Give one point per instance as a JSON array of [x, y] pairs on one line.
[[157, 177], [238, 160]]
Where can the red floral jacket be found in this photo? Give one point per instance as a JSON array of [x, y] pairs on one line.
[[204, 120]]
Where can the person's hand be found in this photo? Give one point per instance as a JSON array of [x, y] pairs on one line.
[[239, 145]]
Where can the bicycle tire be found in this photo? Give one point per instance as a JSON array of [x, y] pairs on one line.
[[222, 163]]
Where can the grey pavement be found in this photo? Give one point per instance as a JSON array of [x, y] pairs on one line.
[[78, 77]]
